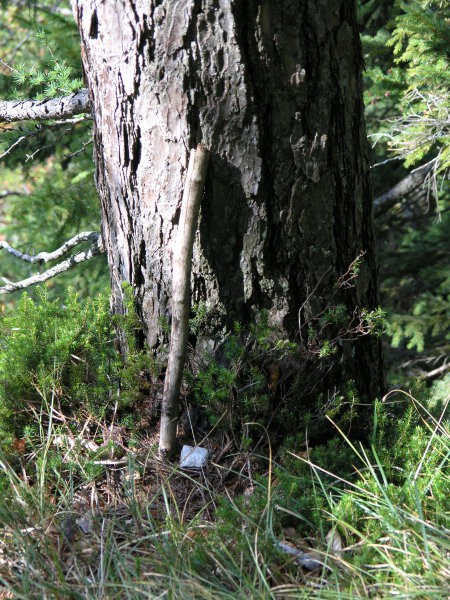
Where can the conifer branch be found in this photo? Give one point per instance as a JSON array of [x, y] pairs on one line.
[[53, 108]]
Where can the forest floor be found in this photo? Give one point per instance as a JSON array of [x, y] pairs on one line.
[[117, 523]]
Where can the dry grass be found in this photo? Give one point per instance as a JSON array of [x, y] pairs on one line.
[[132, 527]]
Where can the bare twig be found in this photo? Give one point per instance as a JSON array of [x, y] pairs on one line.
[[412, 182], [85, 236], [43, 257], [55, 108], [181, 278], [80, 150], [8, 193], [18, 141], [13, 51], [435, 373], [35, 132], [52, 143]]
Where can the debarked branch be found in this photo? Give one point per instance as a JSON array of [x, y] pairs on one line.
[[96, 248]]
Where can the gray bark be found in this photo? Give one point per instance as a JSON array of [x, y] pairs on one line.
[[55, 108], [274, 90]]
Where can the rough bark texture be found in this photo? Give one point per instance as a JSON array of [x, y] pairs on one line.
[[273, 90]]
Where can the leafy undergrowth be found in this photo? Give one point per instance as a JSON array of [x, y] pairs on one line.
[[84, 519], [88, 511]]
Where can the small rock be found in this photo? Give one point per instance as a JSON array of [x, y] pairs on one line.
[[85, 523], [193, 457], [304, 559]]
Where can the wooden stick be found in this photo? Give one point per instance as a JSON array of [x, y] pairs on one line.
[[181, 284]]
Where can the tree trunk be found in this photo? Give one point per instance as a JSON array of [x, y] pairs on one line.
[[274, 91]]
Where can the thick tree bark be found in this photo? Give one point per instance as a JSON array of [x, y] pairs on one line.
[[273, 90]]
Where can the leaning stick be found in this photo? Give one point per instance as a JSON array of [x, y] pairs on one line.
[[181, 281]]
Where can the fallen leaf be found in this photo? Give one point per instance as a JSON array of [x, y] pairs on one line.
[[19, 446]]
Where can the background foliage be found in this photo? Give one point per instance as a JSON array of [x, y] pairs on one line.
[[48, 192], [407, 99]]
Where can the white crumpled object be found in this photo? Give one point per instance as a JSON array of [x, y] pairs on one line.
[[193, 457]]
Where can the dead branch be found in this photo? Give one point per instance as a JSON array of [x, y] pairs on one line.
[[8, 193], [411, 183], [54, 108], [38, 131], [181, 280], [90, 236], [43, 257], [435, 373]]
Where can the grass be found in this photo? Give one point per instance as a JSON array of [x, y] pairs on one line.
[[134, 528]]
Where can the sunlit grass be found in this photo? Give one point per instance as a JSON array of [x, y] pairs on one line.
[[384, 539]]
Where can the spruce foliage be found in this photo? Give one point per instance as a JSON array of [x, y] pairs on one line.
[[408, 110], [46, 168]]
